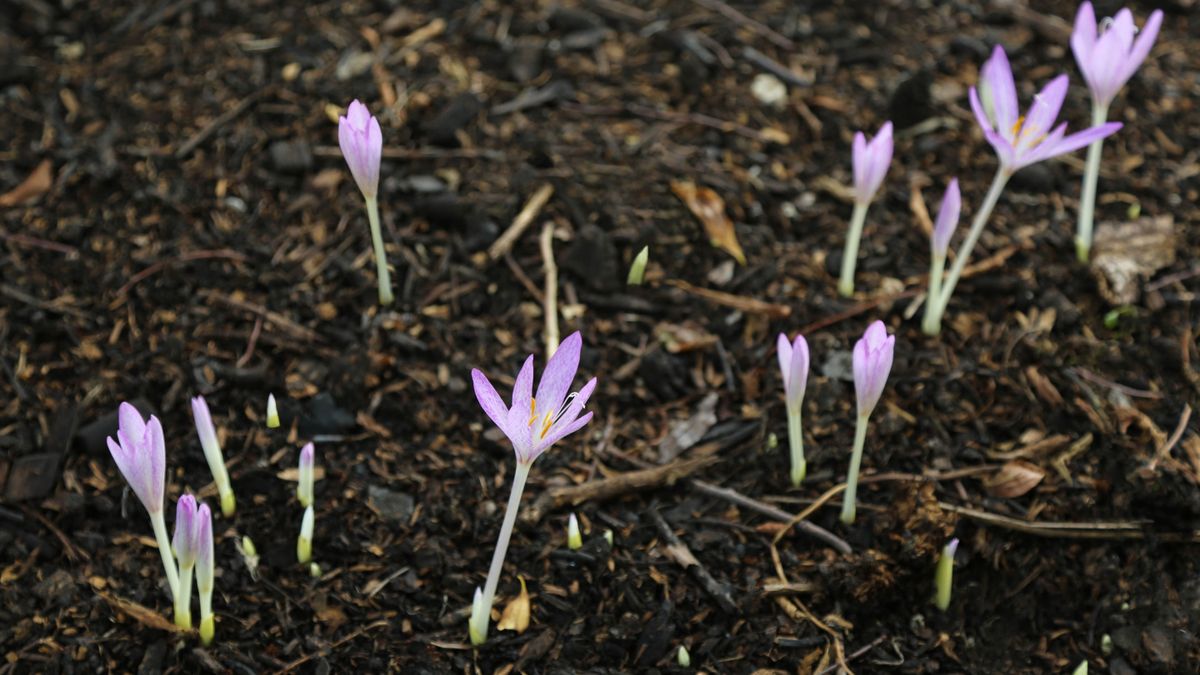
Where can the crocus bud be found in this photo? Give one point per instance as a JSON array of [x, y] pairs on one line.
[[304, 489], [1108, 54], [871, 161], [205, 571], [314, 570], [683, 658], [185, 544], [944, 579], [947, 219], [140, 453], [304, 542], [1081, 669], [212, 453], [477, 626], [272, 412], [248, 546], [637, 271], [872, 363], [362, 145], [794, 366], [574, 538]]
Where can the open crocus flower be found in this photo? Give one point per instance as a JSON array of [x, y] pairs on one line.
[[871, 161], [1021, 141], [361, 140], [1109, 54], [534, 423], [794, 364], [141, 454]]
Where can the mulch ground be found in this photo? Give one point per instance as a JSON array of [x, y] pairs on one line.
[[185, 224]]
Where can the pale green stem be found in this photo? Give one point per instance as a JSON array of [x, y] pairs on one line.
[[206, 615], [936, 272], [933, 326], [796, 444], [183, 600], [1087, 200], [510, 519], [850, 255], [944, 579], [848, 498], [164, 550], [381, 266]]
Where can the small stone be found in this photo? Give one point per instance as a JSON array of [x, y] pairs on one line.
[[152, 659], [1159, 646], [1127, 638], [1040, 177], [963, 44], [58, 588], [390, 505], [323, 416], [525, 62], [480, 232], [291, 156], [352, 64], [458, 112], [769, 90], [594, 255], [912, 101], [839, 365], [1120, 666]]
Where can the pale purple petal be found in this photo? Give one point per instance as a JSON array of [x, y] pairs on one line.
[[999, 79], [798, 377], [493, 406], [783, 351], [1083, 38], [1053, 147], [947, 219], [1144, 43], [560, 433], [558, 375], [135, 471], [1040, 120], [858, 158], [204, 544], [156, 449], [184, 540], [872, 363], [130, 421], [981, 115], [566, 419], [522, 393], [361, 141]]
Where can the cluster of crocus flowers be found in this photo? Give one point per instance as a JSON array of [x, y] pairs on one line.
[[304, 494], [871, 161], [872, 364], [794, 366], [212, 454], [361, 141], [140, 454], [1108, 55], [533, 423], [1019, 141]]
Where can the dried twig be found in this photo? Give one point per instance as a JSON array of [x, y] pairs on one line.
[[742, 20], [550, 300], [183, 257], [613, 486], [221, 120], [282, 322], [738, 302], [681, 554], [1113, 530], [519, 224], [1165, 450]]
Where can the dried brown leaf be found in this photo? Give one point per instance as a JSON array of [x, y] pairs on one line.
[[142, 614], [516, 612], [35, 185], [1014, 479], [1127, 253], [709, 209], [1043, 387]]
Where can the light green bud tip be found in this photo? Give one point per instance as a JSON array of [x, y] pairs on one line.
[[248, 546], [608, 536], [1082, 669], [315, 570], [944, 577], [682, 657], [477, 625], [272, 413], [574, 537], [637, 271]]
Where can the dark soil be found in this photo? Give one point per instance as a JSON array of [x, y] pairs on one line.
[[198, 233]]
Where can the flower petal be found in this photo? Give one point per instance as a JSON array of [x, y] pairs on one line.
[[998, 74], [981, 115], [130, 421], [156, 449], [1143, 44], [798, 377], [561, 433], [1057, 145], [858, 159], [558, 375], [1040, 120], [783, 351], [947, 219], [493, 406], [568, 416], [1083, 37]]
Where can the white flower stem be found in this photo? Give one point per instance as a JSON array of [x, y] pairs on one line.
[[933, 325], [936, 271], [850, 254], [1087, 199], [183, 599], [206, 615], [381, 266], [164, 549], [510, 519], [850, 496], [796, 444]]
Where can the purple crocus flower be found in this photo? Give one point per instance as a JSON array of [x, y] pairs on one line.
[[1110, 56], [1021, 141], [871, 161], [362, 144], [947, 219], [793, 364], [534, 423], [205, 570], [140, 452], [184, 542], [872, 364], [304, 488]]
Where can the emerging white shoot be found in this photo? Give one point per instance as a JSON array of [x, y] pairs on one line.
[[304, 542], [637, 271], [574, 538], [272, 412], [944, 579]]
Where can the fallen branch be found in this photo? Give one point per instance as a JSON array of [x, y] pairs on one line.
[[613, 486], [1112, 530], [519, 224]]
